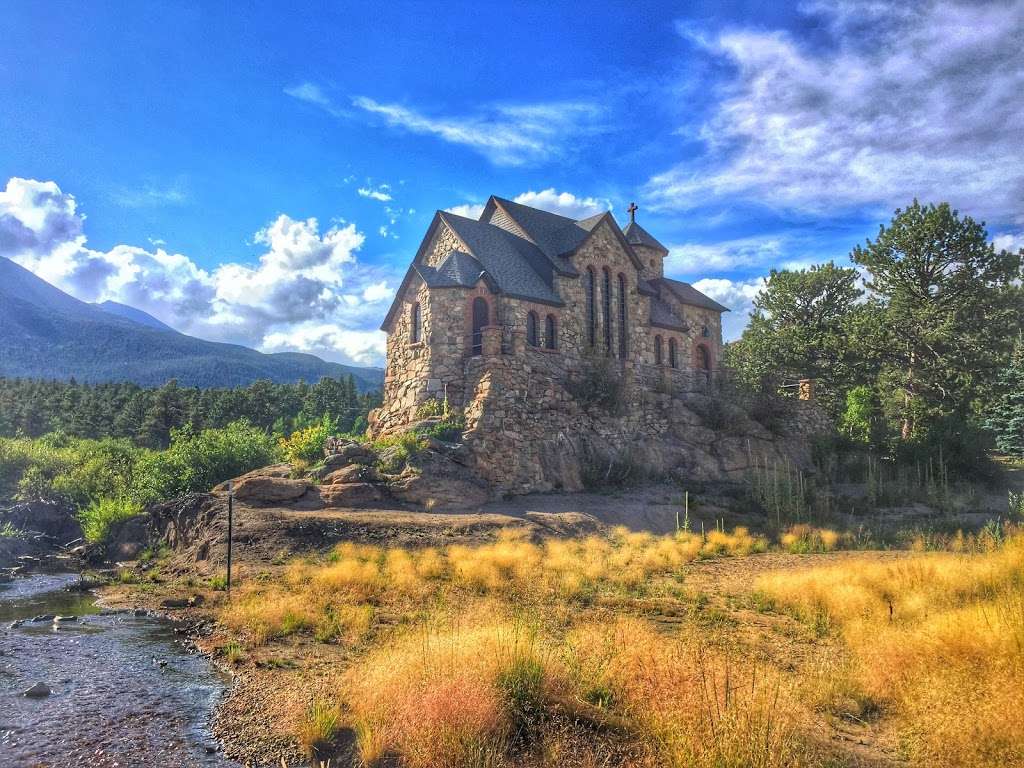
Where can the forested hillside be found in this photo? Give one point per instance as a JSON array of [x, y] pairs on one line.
[[47, 334], [147, 416]]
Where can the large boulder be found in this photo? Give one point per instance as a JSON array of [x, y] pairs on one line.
[[55, 521], [351, 495], [440, 493], [353, 473], [274, 470], [261, 489]]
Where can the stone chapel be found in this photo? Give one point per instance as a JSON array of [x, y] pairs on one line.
[[546, 294]]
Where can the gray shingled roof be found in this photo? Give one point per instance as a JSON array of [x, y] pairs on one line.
[[555, 235], [687, 294], [517, 266], [637, 235], [457, 270], [664, 316]]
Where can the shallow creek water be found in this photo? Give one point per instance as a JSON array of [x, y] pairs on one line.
[[124, 692]]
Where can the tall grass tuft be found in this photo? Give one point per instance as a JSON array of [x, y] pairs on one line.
[[98, 518], [938, 641]]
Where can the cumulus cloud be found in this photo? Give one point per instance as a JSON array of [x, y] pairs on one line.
[[563, 203], [905, 100], [468, 210], [306, 280], [1009, 242], [506, 134], [738, 296]]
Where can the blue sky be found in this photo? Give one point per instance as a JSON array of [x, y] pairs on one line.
[[254, 175]]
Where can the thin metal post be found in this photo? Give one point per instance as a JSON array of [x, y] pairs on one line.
[[231, 525]]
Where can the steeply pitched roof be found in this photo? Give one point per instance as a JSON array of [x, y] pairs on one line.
[[555, 235], [687, 294], [637, 235], [457, 270], [516, 265]]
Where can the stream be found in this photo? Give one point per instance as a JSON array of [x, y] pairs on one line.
[[124, 692]]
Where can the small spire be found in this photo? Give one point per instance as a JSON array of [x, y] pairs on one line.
[[632, 212]]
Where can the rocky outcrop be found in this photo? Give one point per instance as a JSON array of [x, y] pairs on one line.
[[261, 489]]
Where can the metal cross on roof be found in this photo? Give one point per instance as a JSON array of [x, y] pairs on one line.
[[632, 211]]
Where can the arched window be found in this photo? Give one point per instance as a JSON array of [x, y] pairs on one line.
[[415, 324], [481, 318], [703, 358], [705, 331], [591, 288], [531, 330], [622, 316], [607, 302], [673, 361], [550, 339], [658, 360]]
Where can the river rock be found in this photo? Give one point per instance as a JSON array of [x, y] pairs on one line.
[[269, 490], [38, 691]]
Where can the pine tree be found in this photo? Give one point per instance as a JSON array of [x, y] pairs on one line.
[[1006, 416]]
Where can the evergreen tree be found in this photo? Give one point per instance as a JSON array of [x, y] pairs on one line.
[[1006, 416], [951, 309]]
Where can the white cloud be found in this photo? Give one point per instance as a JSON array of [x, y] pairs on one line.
[[691, 258], [1009, 242], [507, 135], [313, 94], [908, 100], [305, 279], [738, 296], [563, 203], [468, 210], [382, 192]]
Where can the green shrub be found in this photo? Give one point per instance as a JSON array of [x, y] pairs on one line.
[[431, 408], [449, 430], [196, 461], [405, 445], [100, 515], [307, 445]]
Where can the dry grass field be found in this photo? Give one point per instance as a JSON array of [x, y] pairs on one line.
[[639, 650]]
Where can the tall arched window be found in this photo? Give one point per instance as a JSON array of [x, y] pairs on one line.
[[673, 360], [550, 339], [607, 307], [703, 358], [531, 330], [481, 317], [622, 316], [591, 288], [415, 323], [658, 359]]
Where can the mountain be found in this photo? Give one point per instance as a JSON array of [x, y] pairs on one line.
[[47, 334], [131, 313]]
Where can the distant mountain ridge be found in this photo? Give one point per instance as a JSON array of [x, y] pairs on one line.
[[47, 334], [131, 313]]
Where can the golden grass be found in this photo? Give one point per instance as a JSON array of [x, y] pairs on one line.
[[335, 600], [471, 693], [938, 641]]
